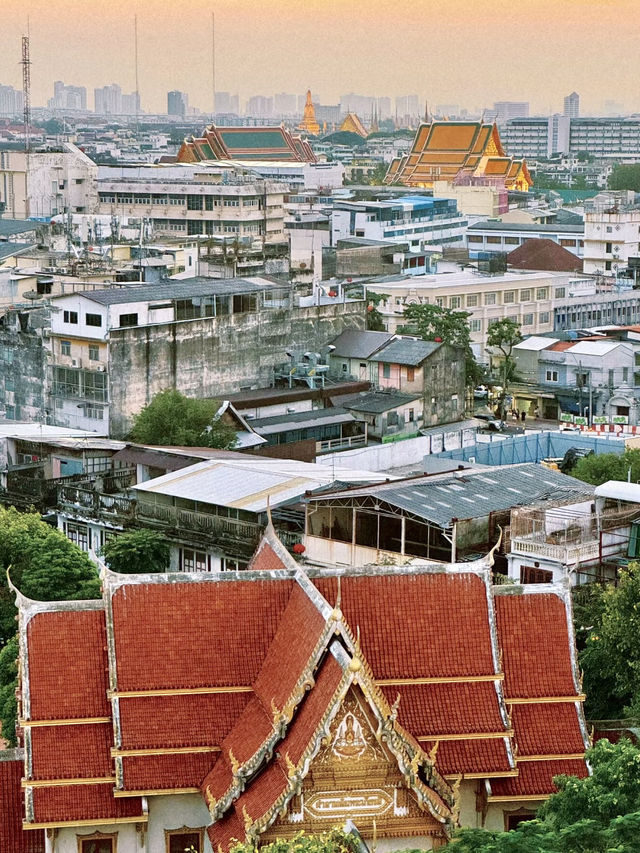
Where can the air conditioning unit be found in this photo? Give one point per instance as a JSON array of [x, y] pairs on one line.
[[101, 368], [75, 362]]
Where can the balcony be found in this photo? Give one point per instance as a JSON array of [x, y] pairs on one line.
[[86, 502], [331, 444], [566, 554], [226, 531]]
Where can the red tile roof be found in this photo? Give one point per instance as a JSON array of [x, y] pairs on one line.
[[544, 254], [66, 803], [68, 665], [158, 722], [471, 756], [534, 637], [385, 606], [13, 839], [535, 778], [547, 729], [265, 559], [160, 772], [72, 752], [152, 622]]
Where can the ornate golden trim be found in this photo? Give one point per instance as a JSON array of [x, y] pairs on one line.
[[446, 679], [470, 736], [83, 721], [567, 757], [175, 691], [159, 793], [493, 774], [178, 750], [518, 798], [97, 821], [545, 700], [58, 783], [97, 835]]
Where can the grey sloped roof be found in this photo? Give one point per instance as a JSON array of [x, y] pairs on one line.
[[301, 420], [378, 402], [474, 494], [407, 351], [9, 227], [177, 289], [353, 343]]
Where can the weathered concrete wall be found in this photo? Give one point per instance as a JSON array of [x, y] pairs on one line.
[[22, 366], [214, 356], [444, 380]]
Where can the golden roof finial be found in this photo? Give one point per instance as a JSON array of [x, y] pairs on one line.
[[415, 764], [291, 767], [456, 797], [248, 820], [394, 708], [235, 764], [211, 800], [336, 613], [433, 752]]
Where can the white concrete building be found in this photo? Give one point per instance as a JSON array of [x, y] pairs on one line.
[[611, 237]]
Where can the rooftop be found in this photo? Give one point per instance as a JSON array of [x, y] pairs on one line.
[[380, 401], [9, 227], [301, 420], [407, 351], [497, 225], [353, 343]]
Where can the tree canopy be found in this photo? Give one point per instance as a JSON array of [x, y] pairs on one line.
[[431, 322], [334, 841], [599, 814], [173, 419], [625, 177], [374, 317], [8, 683], [45, 565], [137, 552], [599, 468]]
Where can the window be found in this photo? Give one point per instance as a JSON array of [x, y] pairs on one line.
[[411, 415], [475, 325], [96, 413], [79, 534], [440, 301], [94, 319], [525, 295], [542, 293], [582, 379], [411, 374], [194, 202], [455, 302], [625, 374], [608, 248], [527, 319], [560, 291], [193, 561], [94, 385], [97, 843], [177, 841], [94, 352], [532, 574], [128, 319], [552, 375], [454, 402], [490, 298], [386, 371], [472, 300], [70, 317], [65, 347], [544, 317], [611, 378], [509, 296], [511, 241], [474, 238], [493, 239]]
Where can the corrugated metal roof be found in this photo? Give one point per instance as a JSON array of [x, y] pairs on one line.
[[177, 289], [378, 402], [407, 351], [248, 483], [353, 343], [473, 494], [8, 227], [594, 347], [301, 420], [535, 343]]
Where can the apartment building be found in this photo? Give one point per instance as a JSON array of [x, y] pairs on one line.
[[540, 137], [611, 237], [417, 220], [495, 236], [541, 302], [112, 350], [190, 199]]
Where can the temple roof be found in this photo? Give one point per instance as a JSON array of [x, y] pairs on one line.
[[246, 143], [226, 684]]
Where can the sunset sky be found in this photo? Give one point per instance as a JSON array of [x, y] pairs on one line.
[[449, 51]]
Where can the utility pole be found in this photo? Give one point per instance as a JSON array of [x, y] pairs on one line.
[[26, 97]]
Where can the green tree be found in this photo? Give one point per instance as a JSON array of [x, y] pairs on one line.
[[431, 322], [378, 175], [599, 468], [45, 565], [334, 841], [503, 335], [137, 552], [611, 655], [8, 685], [375, 322], [598, 814], [173, 419], [625, 177]]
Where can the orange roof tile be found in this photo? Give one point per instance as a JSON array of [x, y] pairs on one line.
[[65, 803], [452, 136], [265, 559], [547, 729], [534, 637], [536, 778], [471, 756], [68, 665], [163, 772], [72, 752], [13, 839]]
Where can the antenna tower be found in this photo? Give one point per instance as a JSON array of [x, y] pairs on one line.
[[26, 97]]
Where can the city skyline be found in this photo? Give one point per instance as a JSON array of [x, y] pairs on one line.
[[445, 55]]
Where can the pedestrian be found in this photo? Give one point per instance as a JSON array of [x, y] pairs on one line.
[[537, 413], [523, 416]]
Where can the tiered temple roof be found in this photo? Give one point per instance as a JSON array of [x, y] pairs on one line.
[[246, 143], [352, 124], [460, 152], [237, 685]]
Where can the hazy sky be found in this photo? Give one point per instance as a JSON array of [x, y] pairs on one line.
[[464, 52]]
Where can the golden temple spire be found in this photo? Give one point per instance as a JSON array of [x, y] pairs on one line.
[[309, 123]]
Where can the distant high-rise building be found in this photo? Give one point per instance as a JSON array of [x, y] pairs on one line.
[[285, 104], [505, 110], [384, 108], [108, 100], [11, 103], [226, 103], [408, 109], [67, 97], [572, 105], [259, 106], [361, 105], [131, 104], [177, 103]]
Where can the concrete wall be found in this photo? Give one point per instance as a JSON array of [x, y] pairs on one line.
[[22, 366], [213, 356]]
